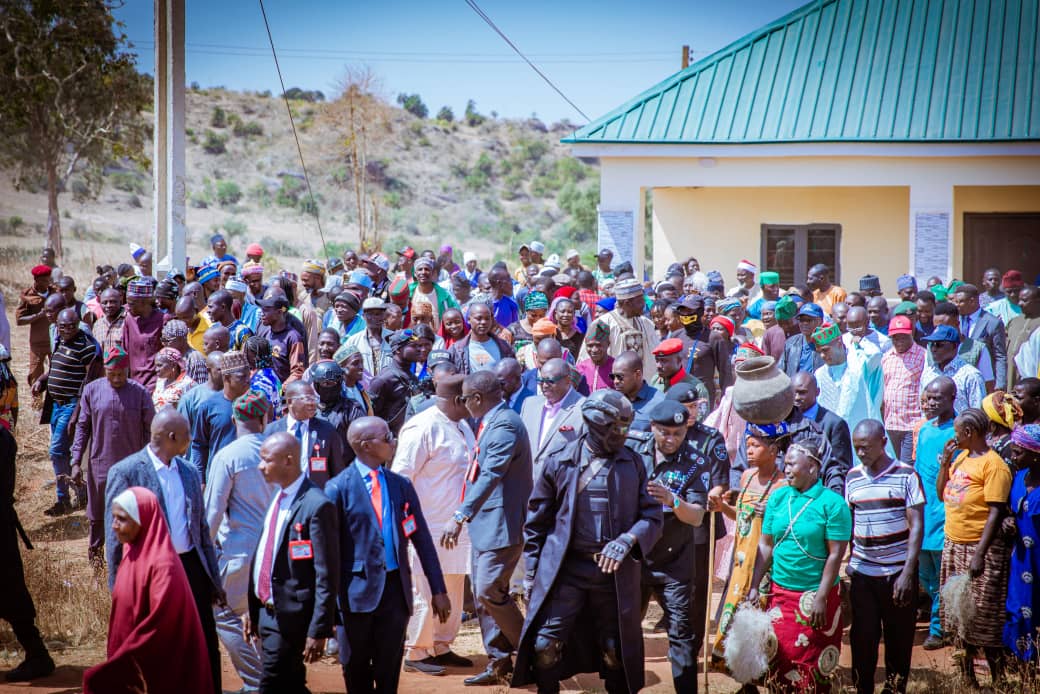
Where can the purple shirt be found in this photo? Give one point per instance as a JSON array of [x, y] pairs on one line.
[[114, 423], [141, 342], [598, 377]]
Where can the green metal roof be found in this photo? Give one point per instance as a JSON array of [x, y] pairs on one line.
[[852, 71]]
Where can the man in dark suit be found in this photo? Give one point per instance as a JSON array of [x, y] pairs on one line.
[[799, 351], [835, 428], [509, 374], [161, 468], [379, 515], [322, 447], [985, 327], [292, 582], [494, 504]]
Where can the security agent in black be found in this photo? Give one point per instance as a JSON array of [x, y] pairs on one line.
[[590, 519], [686, 461]]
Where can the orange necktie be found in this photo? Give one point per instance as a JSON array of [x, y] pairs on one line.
[[377, 497]]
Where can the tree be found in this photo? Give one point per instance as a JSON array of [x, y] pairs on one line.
[[445, 114], [72, 97], [413, 103], [363, 118]]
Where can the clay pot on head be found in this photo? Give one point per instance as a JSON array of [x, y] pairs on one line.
[[762, 393]]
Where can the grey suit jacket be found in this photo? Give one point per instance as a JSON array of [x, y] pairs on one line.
[[990, 330], [496, 501], [566, 427], [137, 471]]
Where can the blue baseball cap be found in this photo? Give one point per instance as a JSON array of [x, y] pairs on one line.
[[360, 278], [810, 310], [943, 333]]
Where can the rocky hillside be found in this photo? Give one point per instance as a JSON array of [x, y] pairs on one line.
[[479, 182]]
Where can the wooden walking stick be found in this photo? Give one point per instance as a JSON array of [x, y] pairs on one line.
[[707, 610]]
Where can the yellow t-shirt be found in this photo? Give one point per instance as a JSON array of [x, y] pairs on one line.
[[195, 336], [826, 301], [974, 483]]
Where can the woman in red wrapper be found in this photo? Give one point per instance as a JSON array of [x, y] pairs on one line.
[[155, 640]]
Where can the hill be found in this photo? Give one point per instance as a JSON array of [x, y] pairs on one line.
[[482, 185]]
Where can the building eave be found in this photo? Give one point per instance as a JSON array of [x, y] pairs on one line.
[[628, 150]]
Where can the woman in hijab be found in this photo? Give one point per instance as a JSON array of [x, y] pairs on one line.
[[155, 640], [453, 327], [1023, 596]]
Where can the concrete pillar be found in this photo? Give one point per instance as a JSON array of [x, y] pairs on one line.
[[169, 232], [621, 216], [931, 230]]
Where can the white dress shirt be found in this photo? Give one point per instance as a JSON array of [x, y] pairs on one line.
[[279, 505], [305, 454], [176, 505]]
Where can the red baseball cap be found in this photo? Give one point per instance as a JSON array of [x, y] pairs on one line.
[[900, 325], [407, 252]]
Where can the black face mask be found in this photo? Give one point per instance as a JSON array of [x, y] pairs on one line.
[[328, 394], [691, 324], [605, 440]]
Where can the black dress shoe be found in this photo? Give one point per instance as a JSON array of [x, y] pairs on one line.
[[488, 678], [427, 666], [32, 668], [60, 508], [452, 659]]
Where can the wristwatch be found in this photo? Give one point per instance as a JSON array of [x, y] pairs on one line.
[[459, 517], [675, 501]]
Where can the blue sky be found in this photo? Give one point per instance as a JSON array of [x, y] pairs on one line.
[[600, 54]]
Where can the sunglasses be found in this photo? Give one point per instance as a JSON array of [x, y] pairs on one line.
[[550, 381], [617, 377], [464, 398]]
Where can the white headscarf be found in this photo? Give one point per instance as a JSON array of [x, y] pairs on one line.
[[128, 502]]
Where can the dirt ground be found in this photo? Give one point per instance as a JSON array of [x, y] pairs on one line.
[[72, 602]]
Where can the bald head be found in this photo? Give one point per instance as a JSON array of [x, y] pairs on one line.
[[628, 362], [549, 348], [869, 429], [857, 321], [509, 374], [938, 397], [805, 390], [186, 310], [216, 339], [171, 435], [280, 459]]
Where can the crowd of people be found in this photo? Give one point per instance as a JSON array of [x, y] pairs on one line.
[[350, 460]]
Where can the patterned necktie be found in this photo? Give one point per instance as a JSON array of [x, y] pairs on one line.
[[377, 496], [263, 591]]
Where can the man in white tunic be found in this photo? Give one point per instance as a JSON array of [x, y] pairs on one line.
[[630, 329], [433, 451], [851, 380]]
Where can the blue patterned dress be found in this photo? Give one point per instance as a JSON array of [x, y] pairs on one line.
[[1020, 630]]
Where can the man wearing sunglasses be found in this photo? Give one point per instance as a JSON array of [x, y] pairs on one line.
[[553, 417], [322, 449]]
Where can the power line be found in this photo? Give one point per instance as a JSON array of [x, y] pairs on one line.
[[292, 123], [480, 13]]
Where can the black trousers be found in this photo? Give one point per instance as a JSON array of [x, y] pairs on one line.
[[579, 586], [202, 591], [374, 648], [16, 604], [282, 646], [675, 597], [699, 606], [875, 614]]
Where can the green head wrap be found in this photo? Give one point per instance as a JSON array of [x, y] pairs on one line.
[[785, 309]]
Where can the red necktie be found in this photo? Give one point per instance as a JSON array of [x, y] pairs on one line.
[[377, 496], [263, 591], [474, 468]]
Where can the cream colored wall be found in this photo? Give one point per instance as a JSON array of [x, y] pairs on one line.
[[720, 226], [988, 199]]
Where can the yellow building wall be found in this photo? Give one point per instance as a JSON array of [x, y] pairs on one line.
[[987, 199], [720, 226]]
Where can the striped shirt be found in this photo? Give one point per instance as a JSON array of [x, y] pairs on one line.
[[880, 532], [902, 374], [69, 364]]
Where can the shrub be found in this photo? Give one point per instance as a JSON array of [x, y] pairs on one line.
[[392, 200], [228, 193], [134, 201], [231, 227], [308, 205], [127, 181], [416, 127], [214, 143], [473, 118], [288, 194], [250, 129], [445, 114], [340, 175], [484, 165], [304, 95], [219, 118], [413, 103], [530, 150], [260, 194], [477, 180]]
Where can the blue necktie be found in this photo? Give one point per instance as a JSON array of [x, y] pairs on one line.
[[299, 432]]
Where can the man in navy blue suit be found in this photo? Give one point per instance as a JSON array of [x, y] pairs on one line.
[[379, 514]]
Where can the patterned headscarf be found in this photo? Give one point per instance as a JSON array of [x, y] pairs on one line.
[[1001, 409], [1027, 436], [171, 355], [536, 300], [766, 431], [252, 406]]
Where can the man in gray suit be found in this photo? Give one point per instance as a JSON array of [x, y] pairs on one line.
[[161, 468], [554, 417], [498, 484], [237, 499]]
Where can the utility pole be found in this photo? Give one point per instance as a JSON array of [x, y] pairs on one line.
[[169, 229], [685, 57]]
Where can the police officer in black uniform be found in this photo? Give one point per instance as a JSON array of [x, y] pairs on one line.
[[685, 461], [590, 518], [16, 604]]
